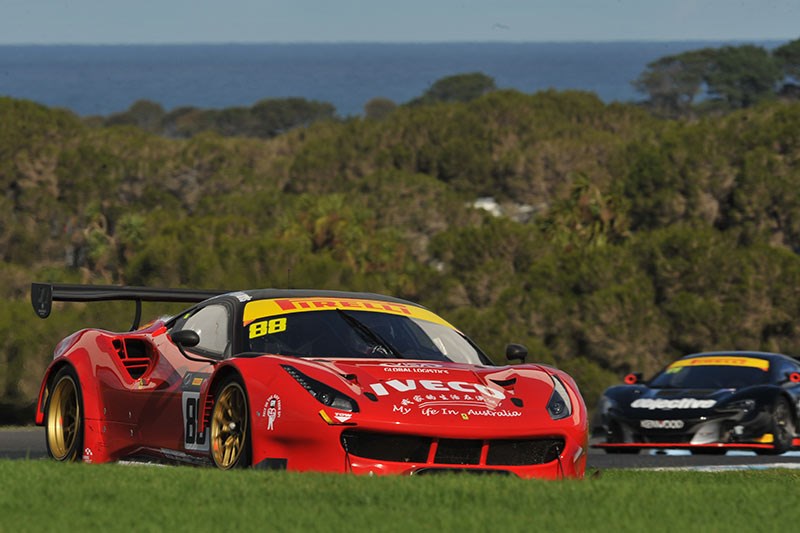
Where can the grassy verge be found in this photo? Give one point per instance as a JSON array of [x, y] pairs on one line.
[[47, 496]]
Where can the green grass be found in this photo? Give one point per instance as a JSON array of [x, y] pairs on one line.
[[42, 495]]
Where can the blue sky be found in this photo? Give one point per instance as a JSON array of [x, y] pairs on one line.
[[247, 21]]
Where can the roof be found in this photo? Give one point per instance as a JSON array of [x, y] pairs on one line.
[[740, 353], [267, 294]]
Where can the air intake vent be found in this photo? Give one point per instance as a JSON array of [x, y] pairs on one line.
[[135, 355], [386, 447], [524, 452], [458, 452], [466, 452]]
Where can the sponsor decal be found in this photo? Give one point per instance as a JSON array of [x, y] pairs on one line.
[[419, 370], [87, 455], [192, 381], [449, 411], [664, 403], [411, 365], [258, 309], [272, 411], [661, 424], [752, 362], [415, 368], [242, 297], [342, 417], [462, 405], [435, 385], [193, 439]]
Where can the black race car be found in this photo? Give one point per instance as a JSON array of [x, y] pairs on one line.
[[707, 403]]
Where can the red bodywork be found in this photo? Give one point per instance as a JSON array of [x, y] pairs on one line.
[[143, 399]]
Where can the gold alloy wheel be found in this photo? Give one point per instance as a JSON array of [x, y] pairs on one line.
[[229, 426], [63, 419]]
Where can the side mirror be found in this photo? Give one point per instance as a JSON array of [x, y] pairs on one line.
[[185, 337], [633, 378], [516, 352]]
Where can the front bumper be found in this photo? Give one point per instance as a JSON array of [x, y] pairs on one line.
[[738, 429], [538, 457]]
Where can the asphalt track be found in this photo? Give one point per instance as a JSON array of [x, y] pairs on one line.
[[28, 443]]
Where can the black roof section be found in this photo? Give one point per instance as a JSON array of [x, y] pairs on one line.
[[740, 353], [44, 294], [268, 294]]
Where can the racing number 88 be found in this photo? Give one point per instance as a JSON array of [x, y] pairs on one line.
[[259, 329]]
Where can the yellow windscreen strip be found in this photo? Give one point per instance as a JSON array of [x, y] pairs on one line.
[[258, 309], [761, 364]]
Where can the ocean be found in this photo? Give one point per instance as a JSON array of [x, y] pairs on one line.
[[105, 79]]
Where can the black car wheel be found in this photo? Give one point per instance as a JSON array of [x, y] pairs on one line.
[[616, 436], [230, 425], [64, 417], [783, 429]]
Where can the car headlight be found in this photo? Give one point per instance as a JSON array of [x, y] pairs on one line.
[[323, 393], [559, 405], [605, 405], [739, 405]]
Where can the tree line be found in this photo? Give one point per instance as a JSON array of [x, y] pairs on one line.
[[685, 85]]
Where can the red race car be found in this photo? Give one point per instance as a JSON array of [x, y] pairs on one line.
[[304, 380]]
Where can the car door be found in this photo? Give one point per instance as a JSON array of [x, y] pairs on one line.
[[170, 416]]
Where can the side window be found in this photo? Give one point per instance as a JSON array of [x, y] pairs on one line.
[[212, 324]]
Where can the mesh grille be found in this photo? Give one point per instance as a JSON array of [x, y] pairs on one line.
[[414, 449], [524, 452], [385, 447], [458, 452]]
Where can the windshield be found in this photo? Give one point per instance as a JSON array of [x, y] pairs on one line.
[[339, 333], [713, 373]]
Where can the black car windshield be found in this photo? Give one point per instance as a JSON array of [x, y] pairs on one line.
[[713, 373], [339, 333]]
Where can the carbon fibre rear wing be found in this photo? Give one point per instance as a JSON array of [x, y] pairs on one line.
[[44, 294]]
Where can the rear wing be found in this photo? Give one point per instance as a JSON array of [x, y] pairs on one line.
[[44, 294]]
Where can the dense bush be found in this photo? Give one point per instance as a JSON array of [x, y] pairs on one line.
[[622, 240]]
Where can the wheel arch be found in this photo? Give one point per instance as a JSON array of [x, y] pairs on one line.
[[90, 394], [792, 407], [47, 385], [222, 373]]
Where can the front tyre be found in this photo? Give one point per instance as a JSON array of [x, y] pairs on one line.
[[783, 428], [64, 417], [230, 428]]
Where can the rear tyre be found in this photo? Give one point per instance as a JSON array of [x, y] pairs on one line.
[[783, 428], [230, 427], [64, 417]]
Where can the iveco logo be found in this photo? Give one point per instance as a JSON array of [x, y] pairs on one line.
[[662, 424], [381, 389]]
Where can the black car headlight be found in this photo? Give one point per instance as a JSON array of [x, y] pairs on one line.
[[605, 405], [739, 405], [559, 406], [323, 393]]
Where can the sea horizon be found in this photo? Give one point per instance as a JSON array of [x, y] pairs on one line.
[[102, 79]]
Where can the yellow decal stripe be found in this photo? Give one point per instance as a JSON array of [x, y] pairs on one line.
[[761, 364], [258, 309]]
